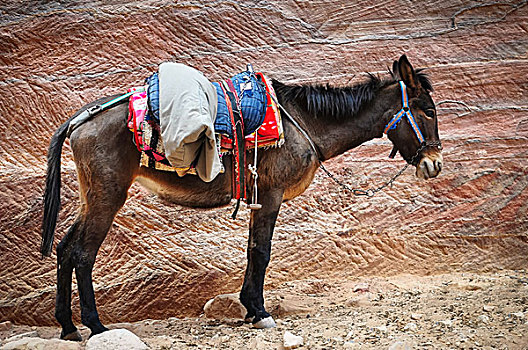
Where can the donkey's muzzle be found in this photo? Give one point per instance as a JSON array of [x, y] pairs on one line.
[[430, 165]]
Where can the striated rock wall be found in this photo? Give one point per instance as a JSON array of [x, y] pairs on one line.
[[57, 56]]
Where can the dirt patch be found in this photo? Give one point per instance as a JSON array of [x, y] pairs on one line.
[[462, 310]]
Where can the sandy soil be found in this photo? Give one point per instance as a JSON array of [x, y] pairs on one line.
[[451, 311]]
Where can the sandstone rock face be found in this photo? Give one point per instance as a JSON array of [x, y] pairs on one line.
[[168, 260]]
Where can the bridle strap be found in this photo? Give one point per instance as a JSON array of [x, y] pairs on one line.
[[405, 111]]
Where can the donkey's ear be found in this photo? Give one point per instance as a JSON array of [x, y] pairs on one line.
[[407, 73], [395, 70]]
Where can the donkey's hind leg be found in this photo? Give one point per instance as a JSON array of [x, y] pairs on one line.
[[97, 216], [63, 312], [78, 250]]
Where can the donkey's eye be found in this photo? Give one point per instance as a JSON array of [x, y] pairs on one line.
[[430, 113]]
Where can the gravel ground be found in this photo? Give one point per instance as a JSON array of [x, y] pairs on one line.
[[450, 311]]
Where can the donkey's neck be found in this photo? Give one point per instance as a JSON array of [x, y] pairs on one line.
[[335, 136]]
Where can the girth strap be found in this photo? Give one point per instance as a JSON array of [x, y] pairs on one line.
[[239, 151]]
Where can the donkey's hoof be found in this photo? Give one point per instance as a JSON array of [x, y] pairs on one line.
[[74, 336], [267, 322], [99, 330], [249, 319]]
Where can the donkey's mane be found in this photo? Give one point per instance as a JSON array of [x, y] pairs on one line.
[[339, 103]]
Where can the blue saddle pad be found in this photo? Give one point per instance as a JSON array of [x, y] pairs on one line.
[[250, 90], [153, 98]]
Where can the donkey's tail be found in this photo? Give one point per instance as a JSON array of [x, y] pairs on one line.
[[53, 186]]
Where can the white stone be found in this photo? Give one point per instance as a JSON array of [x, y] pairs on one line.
[[361, 287], [116, 339], [416, 316], [291, 341], [483, 319], [33, 343], [411, 326], [488, 308]]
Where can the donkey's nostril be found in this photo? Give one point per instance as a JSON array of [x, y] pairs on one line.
[[438, 165]]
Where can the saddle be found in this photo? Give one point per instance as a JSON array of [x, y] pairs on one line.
[[247, 117]]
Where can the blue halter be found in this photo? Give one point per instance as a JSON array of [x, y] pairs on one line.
[[405, 111]]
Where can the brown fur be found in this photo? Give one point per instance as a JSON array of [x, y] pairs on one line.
[[108, 163]]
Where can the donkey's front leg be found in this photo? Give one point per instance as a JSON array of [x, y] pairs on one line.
[[261, 227]]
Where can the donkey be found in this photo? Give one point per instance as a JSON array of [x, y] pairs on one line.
[[323, 122]]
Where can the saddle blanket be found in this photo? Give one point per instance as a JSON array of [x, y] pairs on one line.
[[252, 94], [263, 119]]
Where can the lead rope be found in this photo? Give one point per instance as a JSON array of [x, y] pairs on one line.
[[372, 191], [356, 191]]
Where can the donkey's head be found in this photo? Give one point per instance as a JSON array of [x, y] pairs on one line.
[[414, 128]]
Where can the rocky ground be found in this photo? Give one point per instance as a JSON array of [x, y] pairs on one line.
[[450, 311]]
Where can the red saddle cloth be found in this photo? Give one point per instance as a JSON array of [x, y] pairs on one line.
[[147, 134]]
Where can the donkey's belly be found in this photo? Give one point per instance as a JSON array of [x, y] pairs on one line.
[[188, 190]]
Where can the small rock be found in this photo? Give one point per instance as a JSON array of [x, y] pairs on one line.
[[445, 324], [126, 325], [116, 339], [159, 342], [32, 334], [258, 343], [381, 329], [518, 315], [288, 306], [41, 344], [488, 308], [351, 345], [470, 286], [416, 316], [360, 300], [483, 319], [291, 341], [411, 326], [400, 345], [361, 287], [225, 306], [6, 326]]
